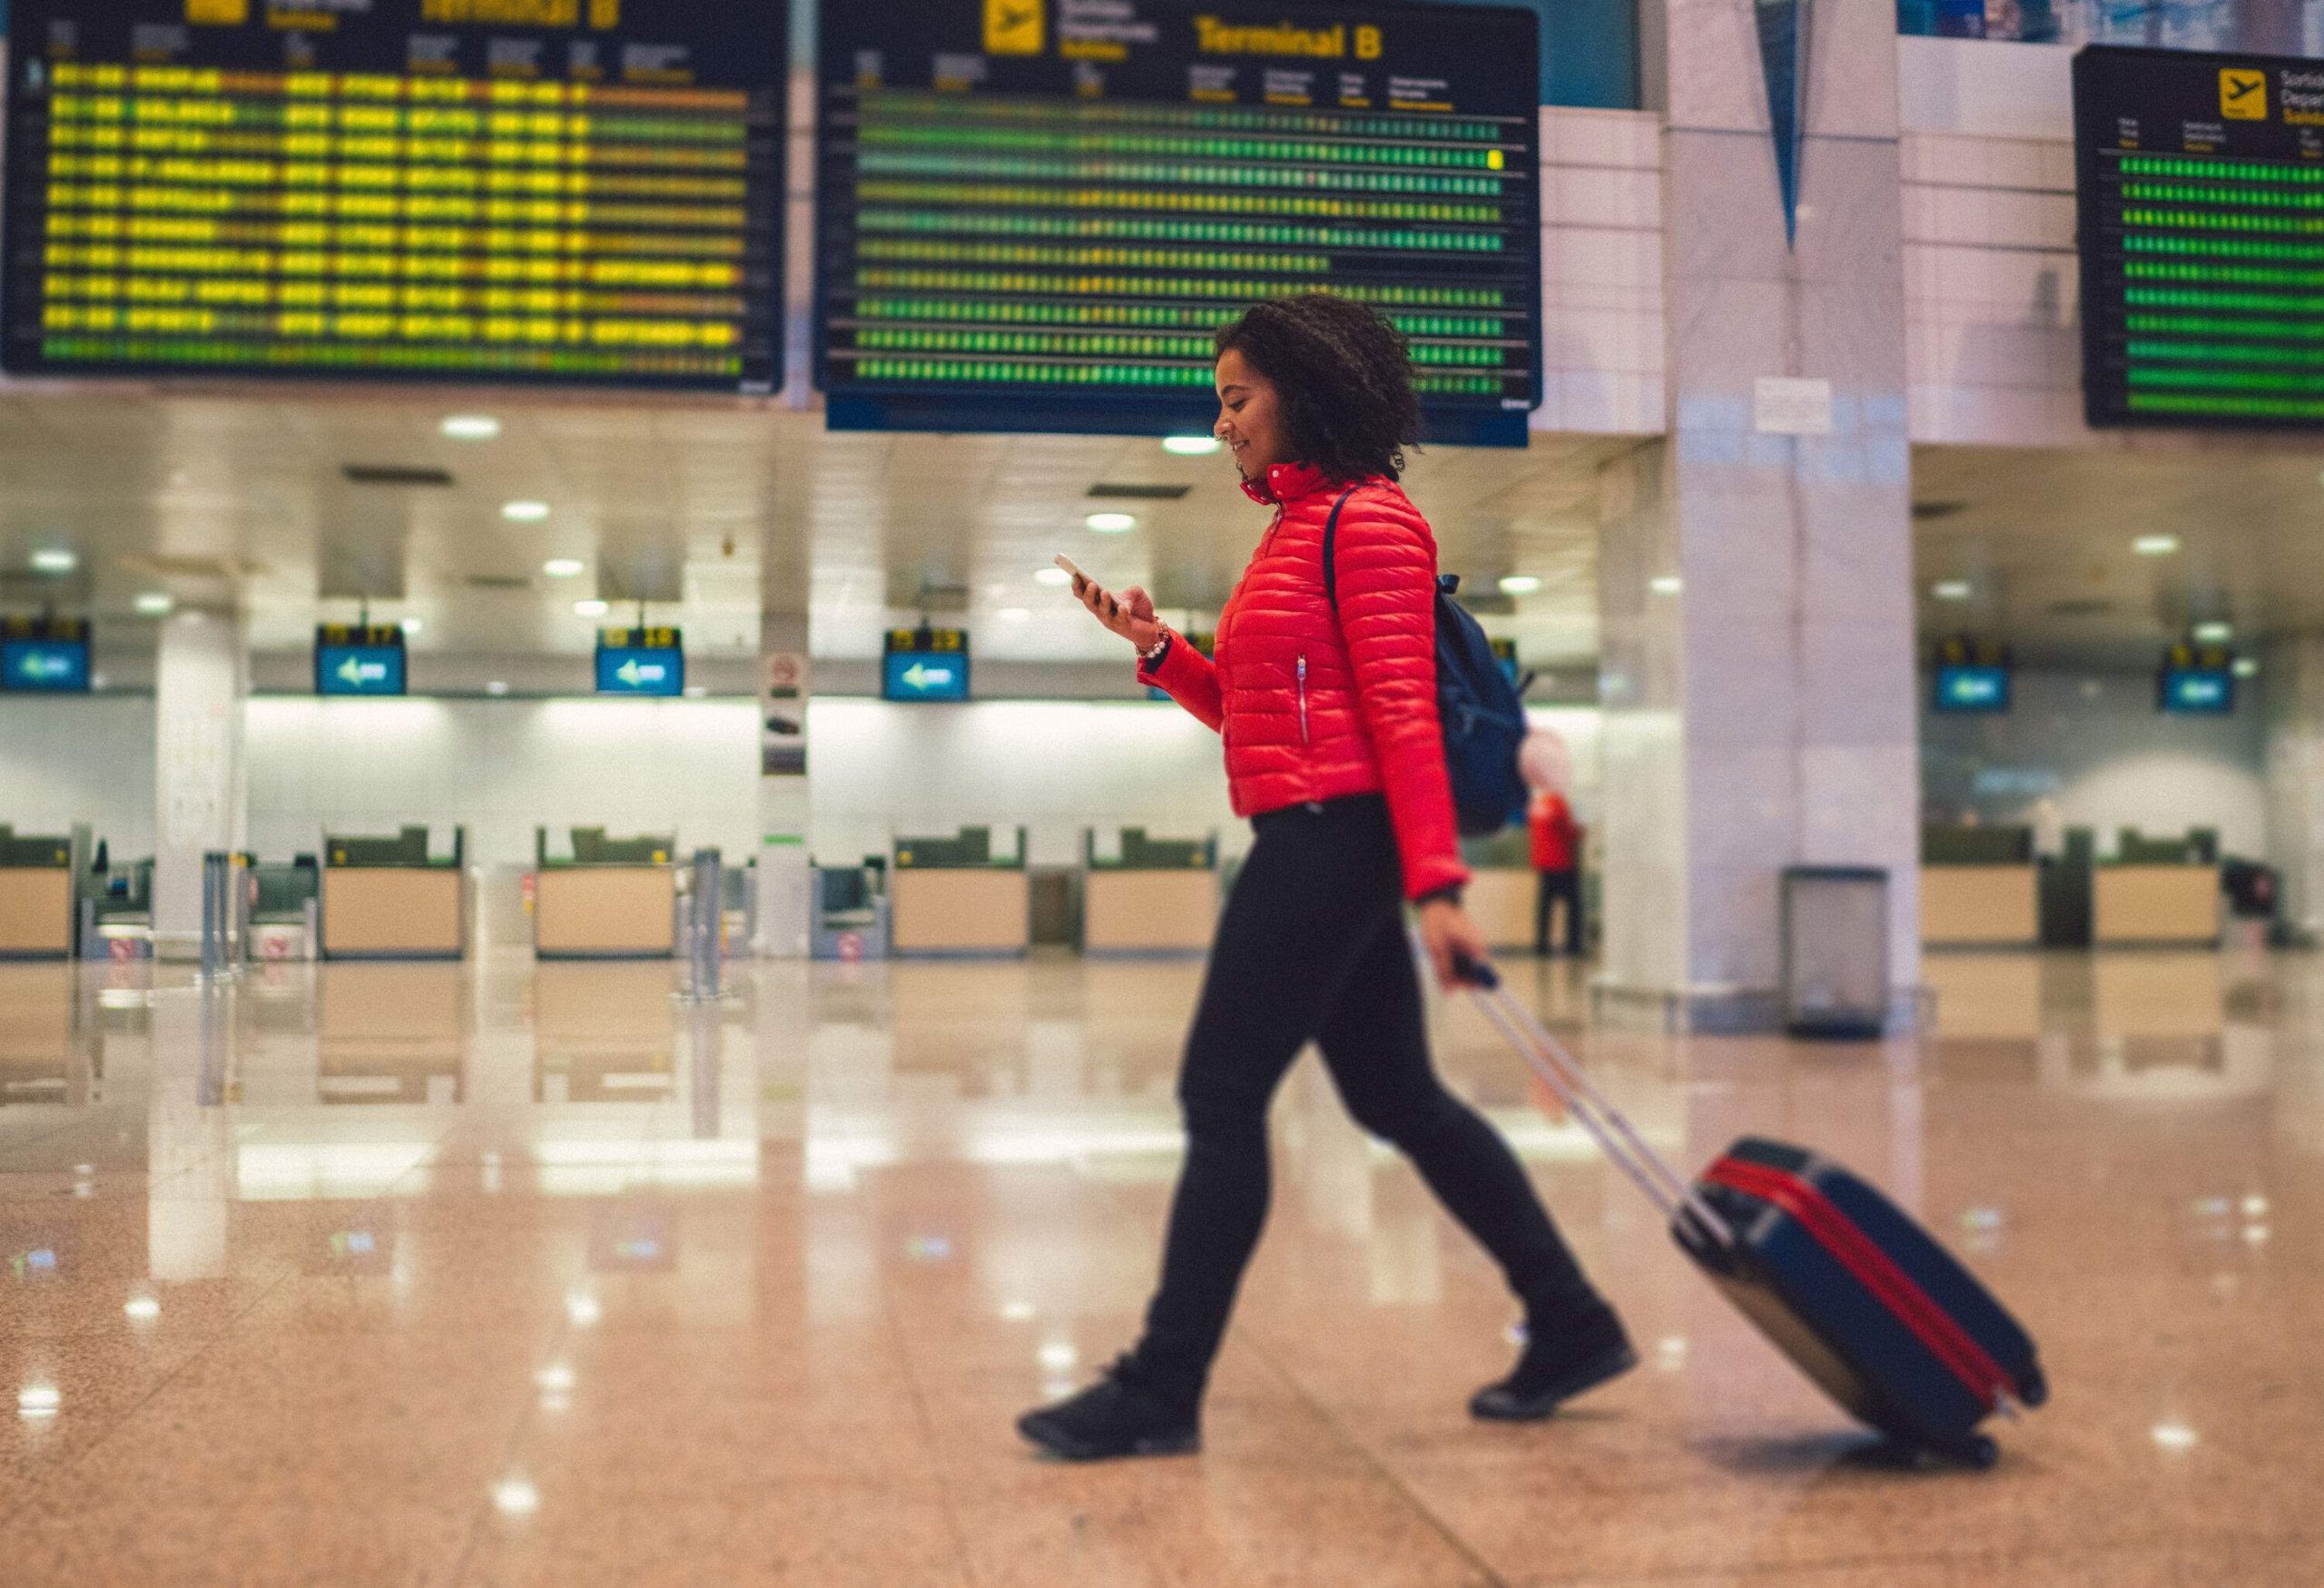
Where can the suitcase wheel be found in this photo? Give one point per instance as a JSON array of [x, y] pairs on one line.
[[2033, 1389]]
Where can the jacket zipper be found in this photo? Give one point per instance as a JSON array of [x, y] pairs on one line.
[[1303, 698]]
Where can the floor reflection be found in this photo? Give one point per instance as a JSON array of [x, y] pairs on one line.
[[653, 1263]]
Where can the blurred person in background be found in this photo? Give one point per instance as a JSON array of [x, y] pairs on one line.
[[1326, 698], [1556, 840]]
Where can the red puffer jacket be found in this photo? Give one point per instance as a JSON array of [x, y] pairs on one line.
[[1315, 706]]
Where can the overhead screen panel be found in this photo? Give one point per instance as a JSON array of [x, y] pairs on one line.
[[2201, 186], [1033, 214], [565, 191]]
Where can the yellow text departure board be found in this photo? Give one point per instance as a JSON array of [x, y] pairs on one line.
[[1033, 214], [568, 192]]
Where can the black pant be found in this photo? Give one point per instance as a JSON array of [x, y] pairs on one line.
[[1312, 945], [1555, 885]]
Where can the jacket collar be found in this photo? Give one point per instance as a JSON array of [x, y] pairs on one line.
[[1285, 482]]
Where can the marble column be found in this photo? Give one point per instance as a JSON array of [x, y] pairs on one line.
[[786, 817], [201, 795], [1756, 561]]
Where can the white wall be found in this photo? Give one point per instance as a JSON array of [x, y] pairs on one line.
[[87, 758], [2104, 760], [502, 767], [1057, 766]]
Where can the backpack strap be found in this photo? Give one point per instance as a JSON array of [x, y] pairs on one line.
[[1331, 542]]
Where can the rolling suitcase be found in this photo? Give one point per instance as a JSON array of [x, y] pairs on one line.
[[1842, 1280]]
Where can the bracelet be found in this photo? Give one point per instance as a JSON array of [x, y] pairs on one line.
[[1152, 659]]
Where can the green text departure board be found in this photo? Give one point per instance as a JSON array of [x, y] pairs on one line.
[[572, 192], [1033, 214], [2201, 184]]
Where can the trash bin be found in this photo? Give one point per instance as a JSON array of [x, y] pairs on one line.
[[1835, 952]]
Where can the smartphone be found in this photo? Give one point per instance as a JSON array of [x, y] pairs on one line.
[[1066, 563]]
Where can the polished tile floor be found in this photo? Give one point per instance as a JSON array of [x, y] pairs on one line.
[[506, 1274]]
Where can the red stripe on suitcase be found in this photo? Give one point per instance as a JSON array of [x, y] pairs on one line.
[[1874, 1270]]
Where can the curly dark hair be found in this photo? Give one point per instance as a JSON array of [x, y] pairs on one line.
[[1343, 377]]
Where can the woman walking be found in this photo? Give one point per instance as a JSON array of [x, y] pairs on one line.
[[1326, 701]]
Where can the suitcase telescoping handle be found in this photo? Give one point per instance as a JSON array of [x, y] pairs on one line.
[[1647, 1170]]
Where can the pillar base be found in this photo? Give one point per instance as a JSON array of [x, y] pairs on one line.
[[1710, 1010]]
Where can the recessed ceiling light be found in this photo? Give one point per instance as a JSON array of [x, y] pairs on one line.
[[413, 625], [2155, 545], [2247, 667], [54, 559], [1666, 585], [592, 607], [1110, 523], [498, 686], [1952, 589], [1191, 446], [564, 567], [523, 512], [1519, 585], [1055, 579], [2214, 633], [155, 604], [1012, 615], [470, 427]]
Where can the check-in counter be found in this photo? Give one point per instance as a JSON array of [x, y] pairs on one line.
[[1142, 896], [1980, 888], [2157, 891], [951, 899], [2136, 904], [387, 899], [35, 897], [615, 898], [850, 911]]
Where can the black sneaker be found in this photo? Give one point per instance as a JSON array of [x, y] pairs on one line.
[[1575, 1352], [1113, 1417]]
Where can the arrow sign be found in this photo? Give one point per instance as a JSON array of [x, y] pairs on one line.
[[627, 672], [923, 676], [352, 671]]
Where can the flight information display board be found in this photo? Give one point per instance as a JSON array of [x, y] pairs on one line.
[[1033, 214], [2202, 195], [567, 191]]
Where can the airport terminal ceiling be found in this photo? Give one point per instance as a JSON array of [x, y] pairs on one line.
[[699, 507], [705, 509]]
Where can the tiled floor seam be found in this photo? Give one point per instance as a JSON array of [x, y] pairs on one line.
[[929, 1436], [1421, 1508]]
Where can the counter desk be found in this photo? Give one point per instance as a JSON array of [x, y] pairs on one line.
[[615, 899], [1147, 896], [951, 899], [386, 899], [1981, 906], [2155, 904], [35, 897]]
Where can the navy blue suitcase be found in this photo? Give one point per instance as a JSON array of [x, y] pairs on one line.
[[1842, 1280]]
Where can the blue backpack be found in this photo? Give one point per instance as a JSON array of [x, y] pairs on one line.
[[1480, 708]]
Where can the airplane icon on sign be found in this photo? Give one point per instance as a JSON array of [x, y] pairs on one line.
[[2242, 93]]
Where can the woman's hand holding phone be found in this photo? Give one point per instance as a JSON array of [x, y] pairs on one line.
[[1129, 614]]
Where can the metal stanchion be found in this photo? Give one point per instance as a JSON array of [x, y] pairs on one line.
[[705, 910], [213, 914]]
